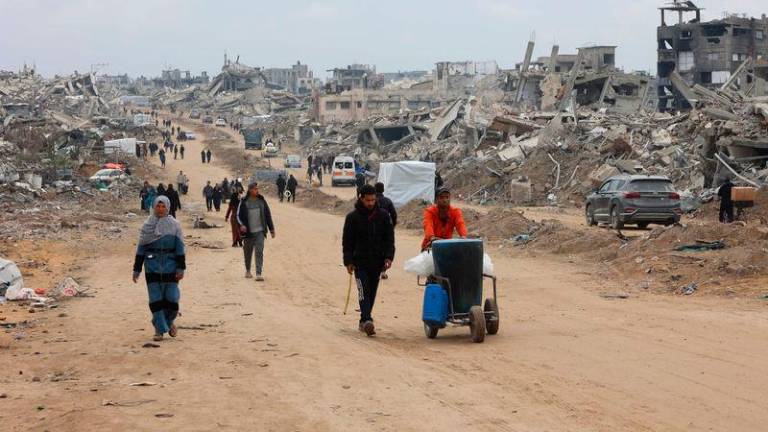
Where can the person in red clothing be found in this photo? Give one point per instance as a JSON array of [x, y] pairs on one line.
[[440, 220]]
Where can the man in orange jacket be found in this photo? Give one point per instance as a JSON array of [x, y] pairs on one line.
[[441, 219]]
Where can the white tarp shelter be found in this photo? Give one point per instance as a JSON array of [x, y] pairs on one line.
[[10, 280], [408, 180], [125, 145]]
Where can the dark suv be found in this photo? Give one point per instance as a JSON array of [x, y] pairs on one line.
[[634, 199]]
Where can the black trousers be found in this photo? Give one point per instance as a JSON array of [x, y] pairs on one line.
[[726, 211], [293, 195], [209, 203], [281, 193], [367, 278]]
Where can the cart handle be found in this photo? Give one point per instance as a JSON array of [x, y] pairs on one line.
[[493, 278]]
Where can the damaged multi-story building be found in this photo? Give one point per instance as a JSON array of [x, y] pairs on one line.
[[298, 79], [713, 54], [589, 78], [356, 76]]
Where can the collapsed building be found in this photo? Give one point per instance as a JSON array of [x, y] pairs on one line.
[[709, 55]]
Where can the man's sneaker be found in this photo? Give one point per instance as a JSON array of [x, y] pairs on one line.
[[248, 275], [367, 328], [259, 278]]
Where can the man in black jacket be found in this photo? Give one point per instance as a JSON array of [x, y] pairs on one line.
[[280, 183], [369, 248], [291, 185], [254, 218]]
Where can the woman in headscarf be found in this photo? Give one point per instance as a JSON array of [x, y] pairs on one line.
[[149, 199], [218, 195], [160, 189], [234, 203], [161, 252]]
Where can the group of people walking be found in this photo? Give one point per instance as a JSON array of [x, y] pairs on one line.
[[148, 195], [205, 155]]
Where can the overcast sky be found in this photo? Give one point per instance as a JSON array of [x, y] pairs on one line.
[[141, 37]]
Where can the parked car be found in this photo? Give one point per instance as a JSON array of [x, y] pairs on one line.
[[208, 119], [107, 176], [194, 114], [221, 122], [634, 199], [189, 135], [270, 150], [343, 171], [293, 161]]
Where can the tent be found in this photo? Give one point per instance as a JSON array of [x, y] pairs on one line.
[[125, 145], [408, 180], [11, 283]]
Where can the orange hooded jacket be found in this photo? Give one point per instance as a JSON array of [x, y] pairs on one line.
[[434, 227]]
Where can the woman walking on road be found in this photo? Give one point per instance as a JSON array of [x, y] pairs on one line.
[[161, 253], [231, 216], [217, 196]]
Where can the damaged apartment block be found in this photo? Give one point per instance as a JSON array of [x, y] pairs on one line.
[[708, 55]]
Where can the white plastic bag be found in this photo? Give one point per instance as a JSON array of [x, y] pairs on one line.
[[487, 265], [420, 265]]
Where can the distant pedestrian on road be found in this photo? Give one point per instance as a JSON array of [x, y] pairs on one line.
[[280, 183], [218, 196], [368, 246], [161, 190], [173, 197], [726, 202], [255, 220], [175, 152], [143, 194], [161, 253], [181, 150], [202, 155], [162, 158], [291, 185], [319, 173], [385, 203], [208, 156], [231, 217], [181, 181], [208, 194]]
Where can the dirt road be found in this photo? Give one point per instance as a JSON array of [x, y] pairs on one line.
[[280, 356]]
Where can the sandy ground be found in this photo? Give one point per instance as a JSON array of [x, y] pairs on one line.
[[280, 356]]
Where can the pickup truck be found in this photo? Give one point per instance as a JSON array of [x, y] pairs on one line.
[[270, 150]]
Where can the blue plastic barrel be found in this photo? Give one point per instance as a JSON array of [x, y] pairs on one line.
[[435, 311], [461, 261]]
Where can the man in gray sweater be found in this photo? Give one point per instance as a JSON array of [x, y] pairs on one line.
[[255, 219]]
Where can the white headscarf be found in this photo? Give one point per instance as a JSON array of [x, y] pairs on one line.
[[157, 227]]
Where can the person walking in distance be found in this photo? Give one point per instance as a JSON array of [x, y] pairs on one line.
[[291, 185], [280, 183], [385, 204], [208, 156], [231, 217], [368, 246], [218, 195], [255, 219], [162, 158], [726, 201], [181, 181], [208, 194], [202, 155], [143, 194], [173, 197], [181, 151], [175, 152], [161, 253]]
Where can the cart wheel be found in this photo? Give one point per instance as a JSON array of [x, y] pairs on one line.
[[477, 324], [492, 326], [430, 331]]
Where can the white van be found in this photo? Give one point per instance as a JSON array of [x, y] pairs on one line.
[[343, 171]]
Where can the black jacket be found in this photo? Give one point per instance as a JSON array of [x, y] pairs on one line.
[[386, 204], [280, 183], [369, 237], [292, 183], [173, 197], [242, 216]]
